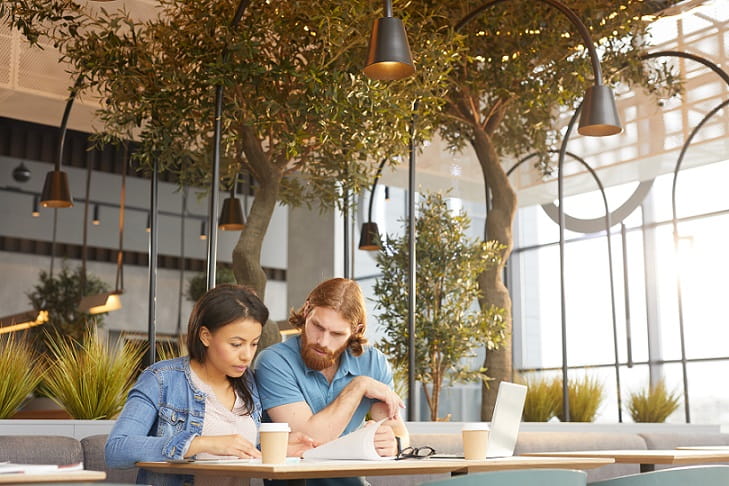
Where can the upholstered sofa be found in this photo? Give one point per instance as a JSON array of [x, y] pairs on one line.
[[45, 449]]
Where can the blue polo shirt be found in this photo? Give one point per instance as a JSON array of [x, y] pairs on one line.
[[283, 378]]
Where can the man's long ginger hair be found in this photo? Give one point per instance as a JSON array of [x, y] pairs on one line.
[[344, 296]]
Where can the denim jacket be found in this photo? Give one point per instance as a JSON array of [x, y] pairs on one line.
[[164, 411]]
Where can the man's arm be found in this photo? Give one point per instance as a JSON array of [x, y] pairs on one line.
[[330, 422], [385, 442]]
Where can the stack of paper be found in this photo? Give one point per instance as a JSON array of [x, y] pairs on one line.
[[358, 445], [10, 468]]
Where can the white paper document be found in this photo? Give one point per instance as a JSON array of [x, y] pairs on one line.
[[359, 444], [12, 468]]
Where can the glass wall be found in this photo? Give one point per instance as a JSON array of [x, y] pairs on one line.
[[658, 290]]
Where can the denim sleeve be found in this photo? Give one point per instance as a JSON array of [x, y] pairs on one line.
[[132, 438]]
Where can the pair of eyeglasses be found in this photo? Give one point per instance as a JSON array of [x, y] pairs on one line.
[[415, 453]]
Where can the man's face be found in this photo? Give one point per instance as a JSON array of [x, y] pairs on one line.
[[325, 337]]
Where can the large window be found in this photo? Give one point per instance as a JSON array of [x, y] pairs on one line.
[[647, 270]]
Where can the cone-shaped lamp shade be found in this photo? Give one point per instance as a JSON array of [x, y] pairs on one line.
[[369, 238], [104, 302], [389, 56], [56, 193], [599, 114], [231, 217], [96, 221]]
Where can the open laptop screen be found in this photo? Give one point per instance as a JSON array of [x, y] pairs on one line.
[[504, 427]]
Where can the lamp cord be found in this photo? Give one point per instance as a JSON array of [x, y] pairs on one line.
[[64, 122], [374, 185]]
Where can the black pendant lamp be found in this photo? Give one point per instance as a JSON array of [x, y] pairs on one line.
[[56, 193], [389, 56], [36, 201], [369, 237], [231, 217], [599, 116]]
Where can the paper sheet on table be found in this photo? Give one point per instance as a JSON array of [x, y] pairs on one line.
[[359, 444]]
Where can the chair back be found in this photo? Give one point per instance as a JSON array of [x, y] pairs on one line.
[[679, 476], [520, 477]]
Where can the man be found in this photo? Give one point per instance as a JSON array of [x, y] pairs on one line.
[[326, 380]]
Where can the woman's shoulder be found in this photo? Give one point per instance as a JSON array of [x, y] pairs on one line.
[[174, 365]]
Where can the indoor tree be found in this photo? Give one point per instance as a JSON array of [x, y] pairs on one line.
[[449, 326], [523, 64], [298, 115]]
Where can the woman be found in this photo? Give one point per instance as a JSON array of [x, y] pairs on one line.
[[203, 405]]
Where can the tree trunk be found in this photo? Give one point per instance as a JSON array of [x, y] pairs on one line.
[[499, 221], [247, 252]]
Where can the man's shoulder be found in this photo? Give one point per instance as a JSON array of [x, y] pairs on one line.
[[371, 358], [369, 352], [285, 350]]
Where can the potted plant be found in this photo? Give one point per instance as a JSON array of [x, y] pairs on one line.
[[90, 378], [653, 404], [585, 396], [449, 326], [543, 399], [22, 371]]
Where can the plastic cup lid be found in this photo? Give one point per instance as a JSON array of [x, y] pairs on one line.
[[274, 427], [475, 426]]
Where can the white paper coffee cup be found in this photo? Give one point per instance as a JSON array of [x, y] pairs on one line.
[[274, 442], [475, 440]]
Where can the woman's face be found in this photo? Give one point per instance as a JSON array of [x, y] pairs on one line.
[[230, 349]]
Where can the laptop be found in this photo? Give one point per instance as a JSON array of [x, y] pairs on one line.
[[505, 421]]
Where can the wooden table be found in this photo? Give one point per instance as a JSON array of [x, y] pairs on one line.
[[56, 477], [649, 458], [297, 473], [704, 448]]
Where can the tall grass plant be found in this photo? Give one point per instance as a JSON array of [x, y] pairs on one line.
[[653, 404], [90, 378], [585, 396], [21, 372], [543, 399]]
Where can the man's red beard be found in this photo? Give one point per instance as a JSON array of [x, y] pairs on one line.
[[317, 361]]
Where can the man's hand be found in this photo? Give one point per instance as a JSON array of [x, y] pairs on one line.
[[299, 443], [377, 390], [223, 445], [385, 443]]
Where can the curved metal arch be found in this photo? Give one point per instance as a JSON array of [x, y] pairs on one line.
[[607, 226], [592, 225], [675, 245], [561, 222], [568, 12], [674, 219]]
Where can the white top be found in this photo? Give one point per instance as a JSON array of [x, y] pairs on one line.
[[221, 421]]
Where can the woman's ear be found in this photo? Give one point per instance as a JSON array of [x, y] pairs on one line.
[[205, 335]]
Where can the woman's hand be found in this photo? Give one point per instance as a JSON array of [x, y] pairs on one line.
[[223, 445], [298, 443]]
